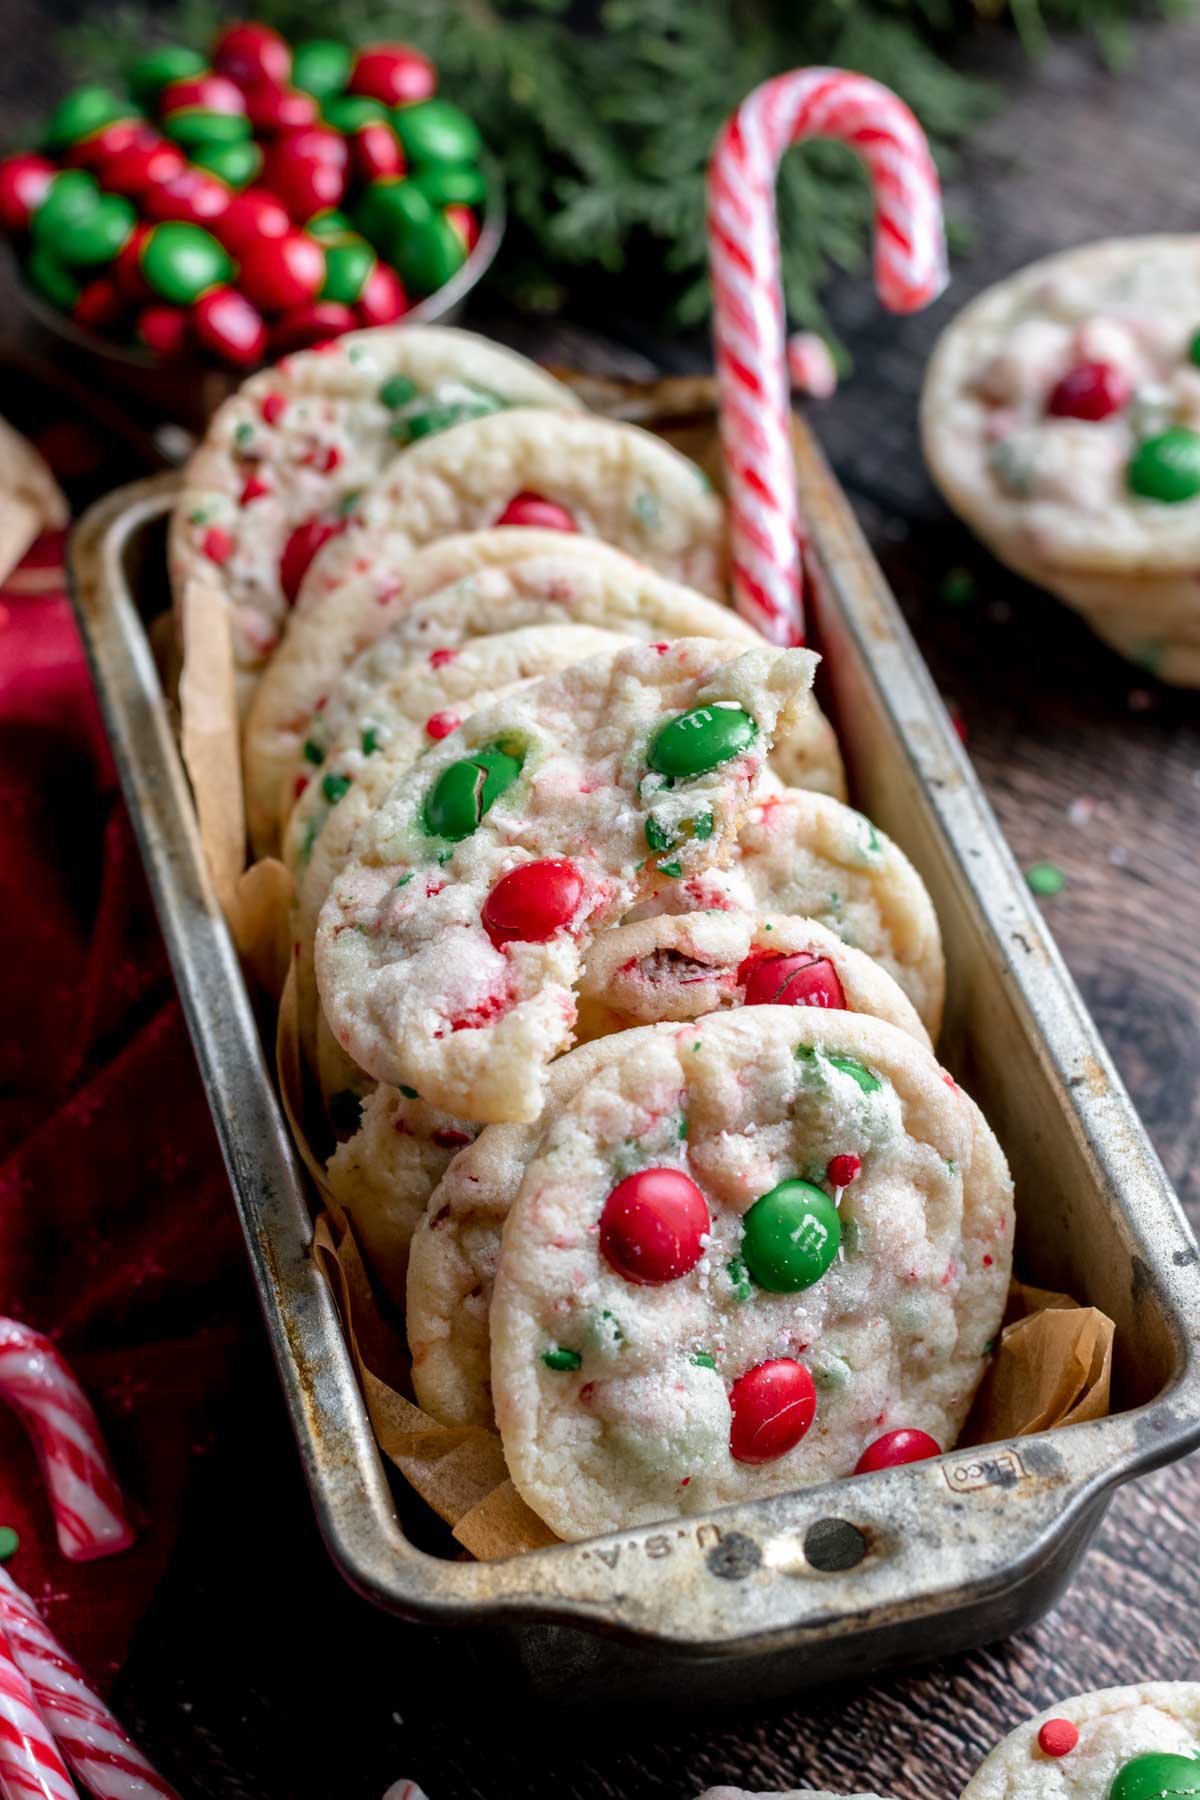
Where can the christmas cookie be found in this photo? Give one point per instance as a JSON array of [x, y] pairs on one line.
[[449, 946], [473, 582], [732, 1793], [808, 855], [284, 458], [593, 476], [374, 746], [683, 965], [1121, 1743], [742, 1254]]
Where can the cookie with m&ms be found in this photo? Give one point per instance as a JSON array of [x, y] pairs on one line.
[[1120, 1743], [374, 735], [597, 477], [809, 855], [683, 965], [284, 458], [689, 1312], [449, 947], [453, 589]]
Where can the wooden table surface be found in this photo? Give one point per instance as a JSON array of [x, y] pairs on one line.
[[257, 1673]]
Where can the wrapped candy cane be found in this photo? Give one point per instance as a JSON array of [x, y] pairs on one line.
[[99, 1749], [766, 531], [30, 1766], [89, 1513]]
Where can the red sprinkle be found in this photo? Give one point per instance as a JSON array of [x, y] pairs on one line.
[[1090, 391], [272, 408], [842, 1170], [299, 786], [441, 724], [439, 658], [300, 549], [449, 1139], [216, 544], [904, 1445], [1058, 1737], [253, 490]]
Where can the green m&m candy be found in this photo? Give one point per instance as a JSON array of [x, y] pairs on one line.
[[330, 226], [69, 202], [435, 131], [1166, 467], [86, 110], [697, 741], [452, 184], [235, 164], [99, 235], [180, 262], [52, 281], [791, 1237], [347, 266], [426, 256], [390, 207], [1159, 1775], [321, 66], [348, 113], [151, 73], [464, 792]]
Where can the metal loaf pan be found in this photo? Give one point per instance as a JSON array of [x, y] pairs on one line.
[[833, 1581]]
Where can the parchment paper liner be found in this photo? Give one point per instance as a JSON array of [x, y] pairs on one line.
[[1052, 1364], [31, 502]]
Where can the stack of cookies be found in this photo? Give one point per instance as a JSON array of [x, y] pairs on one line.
[[620, 1017], [1061, 418]]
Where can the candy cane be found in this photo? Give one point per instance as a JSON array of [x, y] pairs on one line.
[[766, 531], [89, 1514], [30, 1766], [97, 1746]]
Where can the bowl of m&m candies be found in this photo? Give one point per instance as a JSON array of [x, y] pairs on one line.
[[262, 199]]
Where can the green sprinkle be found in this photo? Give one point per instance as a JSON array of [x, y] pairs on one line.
[[405, 879], [243, 437], [336, 787], [397, 390], [563, 1361], [834, 908], [831, 1374], [10, 1543], [958, 588], [739, 1277], [696, 1046], [673, 869], [951, 1165], [200, 516], [409, 1093], [370, 741], [1045, 879], [443, 857], [657, 836], [988, 1347], [702, 828], [703, 1360], [348, 502], [313, 752], [648, 511], [853, 1233], [768, 928], [849, 1065], [683, 1127], [345, 1111]]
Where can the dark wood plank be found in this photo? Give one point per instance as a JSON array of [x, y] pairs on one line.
[[257, 1673]]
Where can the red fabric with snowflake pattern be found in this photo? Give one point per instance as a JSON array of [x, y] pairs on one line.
[[117, 1233]]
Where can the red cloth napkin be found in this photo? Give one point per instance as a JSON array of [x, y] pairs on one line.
[[117, 1231]]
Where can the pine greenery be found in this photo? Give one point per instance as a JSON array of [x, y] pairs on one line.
[[603, 115]]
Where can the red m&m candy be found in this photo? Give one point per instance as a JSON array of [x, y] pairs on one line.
[[166, 330], [300, 549], [279, 273], [895, 1448], [463, 221], [532, 902], [531, 509], [250, 216], [375, 151], [203, 109], [227, 323], [148, 162], [1091, 391], [653, 1226], [307, 170], [316, 323], [273, 109], [383, 299], [249, 54], [804, 979], [773, 1405], [190, 197], [99, 305], [393, 73], [24, 182]]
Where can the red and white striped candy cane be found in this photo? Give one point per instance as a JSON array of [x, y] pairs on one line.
[[89, 1513], [99, 1749], [30, 1766], [766, 531]]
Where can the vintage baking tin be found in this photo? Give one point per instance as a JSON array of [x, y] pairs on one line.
[[833, 1581]]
